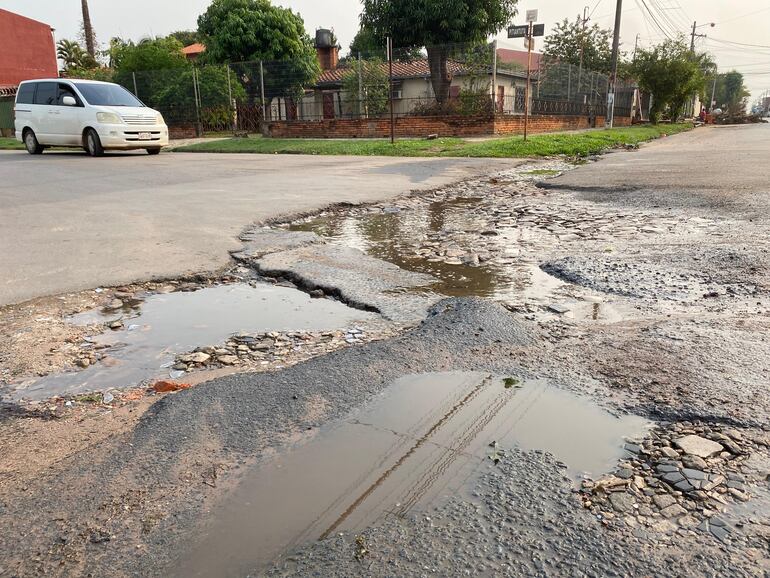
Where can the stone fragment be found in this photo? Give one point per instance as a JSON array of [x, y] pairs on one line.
[[669, 452], [673, 477], [199, 357], [691, 474], [684, 486], [697, 446], [664, 500], [672, 511], [228, 359], [622, 502], [694, 462]]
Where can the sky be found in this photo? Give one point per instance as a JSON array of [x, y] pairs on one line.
[[739, 40]]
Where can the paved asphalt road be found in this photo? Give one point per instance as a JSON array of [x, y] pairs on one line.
[[709, 162], [69, 222]]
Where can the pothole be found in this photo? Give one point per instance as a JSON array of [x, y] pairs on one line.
[[150, 333], [426, 438]]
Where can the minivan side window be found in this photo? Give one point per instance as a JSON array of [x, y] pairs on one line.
[[26, 93], [46, 93], [66, 90]]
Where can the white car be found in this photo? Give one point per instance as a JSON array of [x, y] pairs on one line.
[[85, 113]]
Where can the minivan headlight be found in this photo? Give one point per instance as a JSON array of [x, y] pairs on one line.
[[108, 118]]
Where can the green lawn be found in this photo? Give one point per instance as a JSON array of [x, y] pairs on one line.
[[10, 144], [577, 144]]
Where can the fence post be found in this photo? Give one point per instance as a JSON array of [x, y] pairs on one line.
[[196, 95], [569, 82], [390, 91], [360, 89], [136, 92], [230, 95], [494, 78], [262, 88]]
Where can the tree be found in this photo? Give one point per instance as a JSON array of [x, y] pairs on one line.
[[186, 37], [152, 63], [435, 24], [73, 56], [673, 74], [177, 97], [731, 92], [88, 30], [368, 45], [365, 87], [568, 39], [255, 30]]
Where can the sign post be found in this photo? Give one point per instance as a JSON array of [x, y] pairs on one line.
[[528, 32]]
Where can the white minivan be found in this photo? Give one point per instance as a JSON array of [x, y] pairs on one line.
[[85, 113]]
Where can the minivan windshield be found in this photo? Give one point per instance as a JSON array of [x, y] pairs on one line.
[[107, 95]]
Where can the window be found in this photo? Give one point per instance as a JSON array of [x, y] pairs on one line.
[[46, 93], [66, 90], [107, 95], [26, 94]]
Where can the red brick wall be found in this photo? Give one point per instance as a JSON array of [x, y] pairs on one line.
[[27, 50], [422, 126]]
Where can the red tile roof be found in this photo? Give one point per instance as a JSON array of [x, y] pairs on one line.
[[518, 58], [401, 71], [196, 48]]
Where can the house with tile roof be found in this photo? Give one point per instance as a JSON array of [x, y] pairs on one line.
[[412, 88]]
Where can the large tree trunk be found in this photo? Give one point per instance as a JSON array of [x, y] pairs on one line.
[[439, 73], [88, 29]]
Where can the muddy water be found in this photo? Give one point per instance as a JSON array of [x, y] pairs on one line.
[[427, 437], [393, 236], [165, 325]]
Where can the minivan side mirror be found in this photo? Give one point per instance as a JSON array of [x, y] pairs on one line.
[[69, 101]]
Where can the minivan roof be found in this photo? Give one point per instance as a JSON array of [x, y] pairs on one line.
[[79, 80]]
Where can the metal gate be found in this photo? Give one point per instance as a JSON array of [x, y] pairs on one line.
[[6, 114]]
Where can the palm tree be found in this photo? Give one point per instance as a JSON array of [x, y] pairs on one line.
[[70, 53], [88, 29]]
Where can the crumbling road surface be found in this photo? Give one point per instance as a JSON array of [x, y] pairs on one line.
[[75, 224], [591, 400]]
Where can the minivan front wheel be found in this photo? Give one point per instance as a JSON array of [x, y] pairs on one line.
[[93, 144], [30, 141]]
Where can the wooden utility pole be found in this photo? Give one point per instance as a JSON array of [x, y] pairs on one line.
[[614, 66], [582, 44]]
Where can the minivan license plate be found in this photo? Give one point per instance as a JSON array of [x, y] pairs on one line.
[[145, 136]]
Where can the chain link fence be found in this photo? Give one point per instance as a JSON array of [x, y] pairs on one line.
[[449, 80]]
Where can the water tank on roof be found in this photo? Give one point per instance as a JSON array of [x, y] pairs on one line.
[[323, 38]]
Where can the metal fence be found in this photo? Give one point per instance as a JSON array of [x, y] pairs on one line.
[[242, 96]]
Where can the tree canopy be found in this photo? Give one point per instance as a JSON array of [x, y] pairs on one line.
[[251, 30], [435, 24], [673, 74], [567, 40], [731, 92], [186, 37]]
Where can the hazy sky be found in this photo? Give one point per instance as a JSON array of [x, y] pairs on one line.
[[745, 21]]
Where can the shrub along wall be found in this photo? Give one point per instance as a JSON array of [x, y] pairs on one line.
[[422, 126]]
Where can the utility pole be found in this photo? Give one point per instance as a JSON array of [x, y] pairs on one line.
[[614, 67], [528, 92], [636, 46]]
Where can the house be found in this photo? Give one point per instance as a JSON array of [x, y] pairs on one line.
[[518, 59], [27, 50], [193, 51], [412, 87]]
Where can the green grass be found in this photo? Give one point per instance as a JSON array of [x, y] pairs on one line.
[[10, 144], [577, 144]]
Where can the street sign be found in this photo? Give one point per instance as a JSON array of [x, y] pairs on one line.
[[531, 15], [518, 31], [523, 31]]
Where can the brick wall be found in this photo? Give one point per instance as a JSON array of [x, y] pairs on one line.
[[422, 126]]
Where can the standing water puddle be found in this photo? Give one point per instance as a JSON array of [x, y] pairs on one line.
[[173, 323], [400, 237], [426, 438]]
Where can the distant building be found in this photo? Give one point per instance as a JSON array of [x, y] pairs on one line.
[[27, 51], [518, 59], [193, 51]]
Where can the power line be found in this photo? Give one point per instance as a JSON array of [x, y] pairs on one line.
[[744, 15]]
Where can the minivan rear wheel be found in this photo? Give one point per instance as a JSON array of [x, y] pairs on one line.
[[93, 144], [30, 141], [155, 151]]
